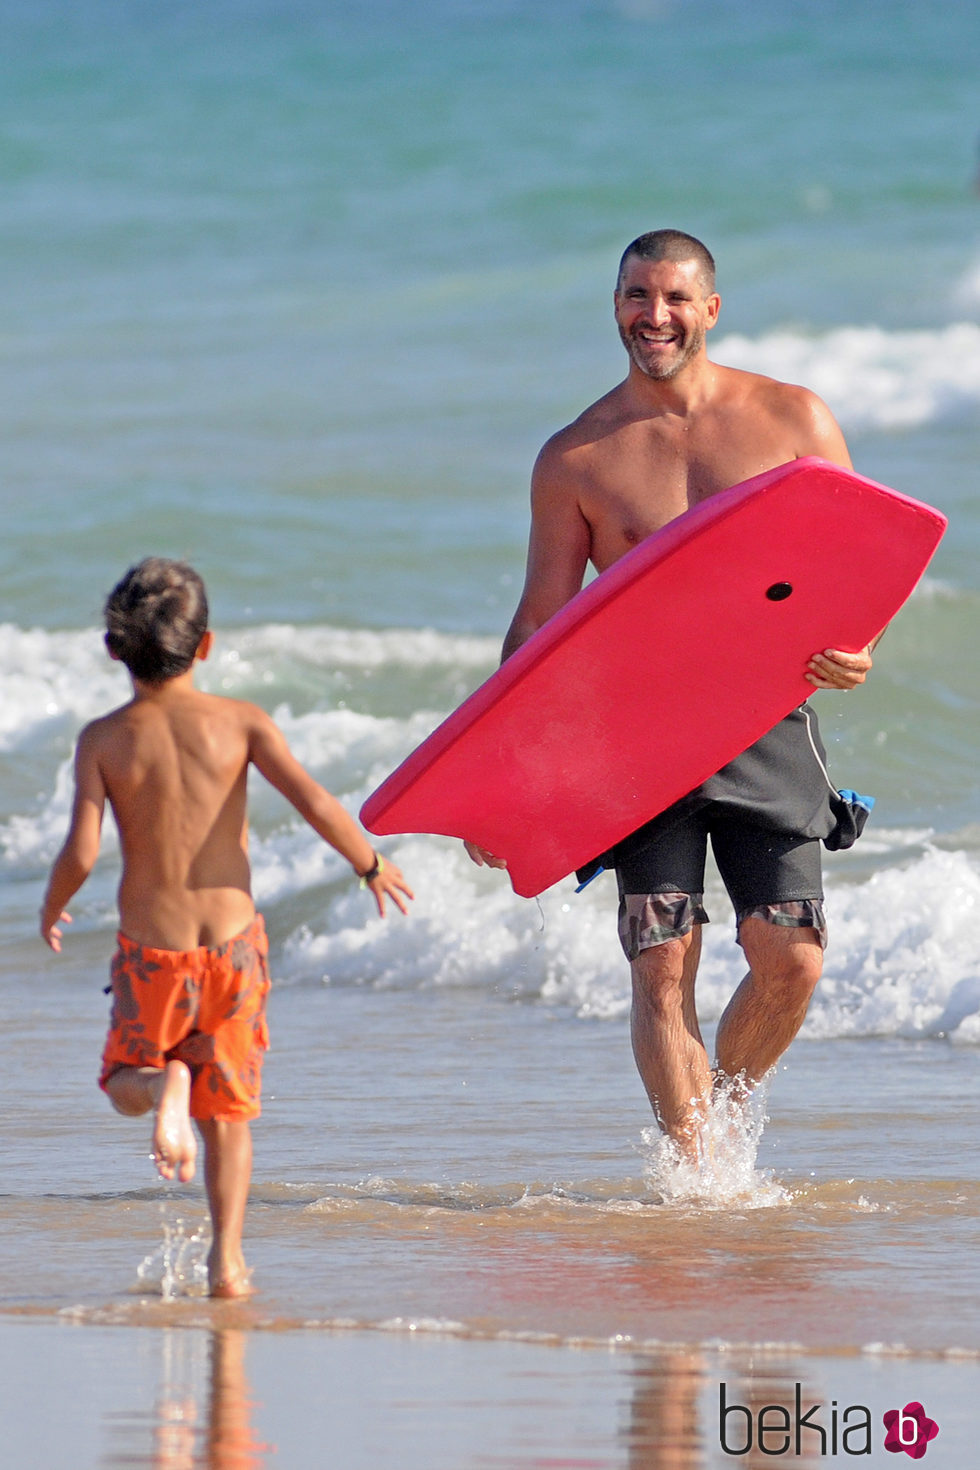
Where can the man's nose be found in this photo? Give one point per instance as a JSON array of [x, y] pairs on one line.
[[659, 311]]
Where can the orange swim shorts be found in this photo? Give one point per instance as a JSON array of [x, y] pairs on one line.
[[205, 1007]]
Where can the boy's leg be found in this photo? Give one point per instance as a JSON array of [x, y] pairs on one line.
[[232, 1015], [167, 1090], [227, 1175]]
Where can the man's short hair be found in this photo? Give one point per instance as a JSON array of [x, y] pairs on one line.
[[672, 245], [155, 619]]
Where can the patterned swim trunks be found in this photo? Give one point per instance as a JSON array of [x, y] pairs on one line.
[[205, 1007]]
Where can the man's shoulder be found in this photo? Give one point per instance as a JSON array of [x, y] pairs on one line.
[[756, 390], [786, 415], [594, 422]]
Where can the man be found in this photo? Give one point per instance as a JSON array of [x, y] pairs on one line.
[[678, 429]]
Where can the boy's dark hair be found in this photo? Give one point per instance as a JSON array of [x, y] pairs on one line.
[[155, 619], [672, 245]]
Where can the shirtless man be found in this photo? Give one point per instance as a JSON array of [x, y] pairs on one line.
[[678, 429], [189, 978]]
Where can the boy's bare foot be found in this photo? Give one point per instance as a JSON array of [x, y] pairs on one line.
[[174, 1144], [229, 1280]]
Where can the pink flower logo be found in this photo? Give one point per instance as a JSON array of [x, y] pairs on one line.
[[909, 1429]]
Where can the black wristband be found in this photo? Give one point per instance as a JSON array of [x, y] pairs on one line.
[[374, 872]]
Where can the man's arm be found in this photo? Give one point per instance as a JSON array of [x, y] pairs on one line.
[[558, 549], [81, 846], [557, 556], [269, 753]]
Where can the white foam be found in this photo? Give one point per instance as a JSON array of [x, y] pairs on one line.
[[249, 649], [52, 682], [724, 1173], [871, 378], [904, 957], [55, 681]]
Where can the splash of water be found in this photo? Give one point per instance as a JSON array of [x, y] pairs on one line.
[[724, 1173], [178, 1266]]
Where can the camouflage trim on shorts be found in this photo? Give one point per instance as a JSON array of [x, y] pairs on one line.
[[649, 919], [793, 913]]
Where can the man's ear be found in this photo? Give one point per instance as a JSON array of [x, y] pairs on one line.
[[205, 645], [109, 650]]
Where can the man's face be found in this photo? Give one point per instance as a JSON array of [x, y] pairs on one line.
[[663, 314]]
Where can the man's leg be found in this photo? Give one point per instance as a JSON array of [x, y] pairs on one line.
[[135, 1090], [227, 1174], [769, 1006], [667, 1044]]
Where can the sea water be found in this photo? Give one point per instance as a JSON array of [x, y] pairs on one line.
[[296, 291]]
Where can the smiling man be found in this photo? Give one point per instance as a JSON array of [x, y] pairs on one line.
[[678, 429]]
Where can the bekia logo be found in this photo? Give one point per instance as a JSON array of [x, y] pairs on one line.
[[909, 1429], [816, 1429]]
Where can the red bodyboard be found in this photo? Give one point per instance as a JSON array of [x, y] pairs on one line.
[[663, 669]]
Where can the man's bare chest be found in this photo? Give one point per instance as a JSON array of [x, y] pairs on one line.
[[637, 483]]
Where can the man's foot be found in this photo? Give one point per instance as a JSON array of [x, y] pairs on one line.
[[174, 1144]]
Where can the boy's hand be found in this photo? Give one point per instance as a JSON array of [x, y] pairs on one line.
[[389, 880], [50, 932]]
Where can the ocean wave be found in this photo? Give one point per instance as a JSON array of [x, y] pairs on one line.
[[331, 647], [872, 378], [902, 960], [54, 681]]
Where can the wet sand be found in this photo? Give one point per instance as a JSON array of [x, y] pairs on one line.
[[226, 1397]]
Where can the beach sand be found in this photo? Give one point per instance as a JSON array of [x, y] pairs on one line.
[[468, 1311]]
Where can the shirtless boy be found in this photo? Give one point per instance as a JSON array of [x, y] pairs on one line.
[[189, 978], [678, 429]]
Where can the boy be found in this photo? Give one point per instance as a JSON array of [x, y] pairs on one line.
[[189, 978]]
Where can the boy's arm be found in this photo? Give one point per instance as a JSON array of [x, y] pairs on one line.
[[270, 754], [81, 847]]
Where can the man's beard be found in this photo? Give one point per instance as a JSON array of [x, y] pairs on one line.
[[663, 374]]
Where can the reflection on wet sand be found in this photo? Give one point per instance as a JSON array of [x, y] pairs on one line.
[[675, 1412], [202, 1410], [181, 1433]]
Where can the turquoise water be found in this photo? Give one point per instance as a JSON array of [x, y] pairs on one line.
[[297, 291]]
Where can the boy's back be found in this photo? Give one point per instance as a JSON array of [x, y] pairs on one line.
[[173, 764]]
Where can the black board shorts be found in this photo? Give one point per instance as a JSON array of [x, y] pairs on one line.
[[769, 875], [757, 865], [765, 814]]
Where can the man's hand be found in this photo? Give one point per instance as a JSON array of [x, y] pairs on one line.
[[50, 932], [835, 670], [482, 858]]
